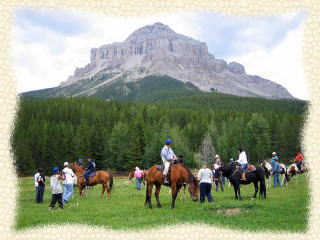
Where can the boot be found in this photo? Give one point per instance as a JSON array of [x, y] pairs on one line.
[[166, 180], [243, 177]]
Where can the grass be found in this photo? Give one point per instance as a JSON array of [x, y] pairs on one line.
[[285, 209]]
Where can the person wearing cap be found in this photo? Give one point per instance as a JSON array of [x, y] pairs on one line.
[[138, 174], [206, 179], [276, 173], [298, 160], [68, 176], [217, 160], [274, 158], [167, 156], [56, 189]]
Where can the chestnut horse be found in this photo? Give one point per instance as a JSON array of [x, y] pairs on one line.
[[179, 174], [102, 176]]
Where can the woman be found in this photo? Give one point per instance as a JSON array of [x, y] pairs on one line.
[[243, 161], [138, 174], [205, 177]]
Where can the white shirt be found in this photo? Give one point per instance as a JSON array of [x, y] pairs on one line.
[[68, 174], [55, 184], [167, 153], [36, 184], [242, 158], [205, 175]]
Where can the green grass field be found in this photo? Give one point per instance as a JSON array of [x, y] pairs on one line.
[[286, 208]]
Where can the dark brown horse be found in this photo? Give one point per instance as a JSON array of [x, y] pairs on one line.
[[102, 176], [179, 174]]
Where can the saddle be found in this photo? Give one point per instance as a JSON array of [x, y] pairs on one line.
[[161, 168], [251, 168], [92, 174]]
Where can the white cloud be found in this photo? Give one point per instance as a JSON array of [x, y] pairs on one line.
[[282, 64]]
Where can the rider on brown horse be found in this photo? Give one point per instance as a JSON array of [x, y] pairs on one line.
[[167, 156], [91, 168]]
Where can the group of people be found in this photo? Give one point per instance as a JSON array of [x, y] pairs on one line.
[[60, 194]]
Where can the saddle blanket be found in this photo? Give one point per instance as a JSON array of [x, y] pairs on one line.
[[92, 174], [251, 168]]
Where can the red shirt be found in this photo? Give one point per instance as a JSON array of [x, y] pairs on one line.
[[299, 157]]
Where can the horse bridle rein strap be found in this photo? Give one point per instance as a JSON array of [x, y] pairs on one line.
[[236, 170]]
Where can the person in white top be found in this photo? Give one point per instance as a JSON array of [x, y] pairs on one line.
[[206, 178], [167, 156], [68, 176], [243, 161], [36, 184]]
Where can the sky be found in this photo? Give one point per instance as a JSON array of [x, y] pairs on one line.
[[49, 44]]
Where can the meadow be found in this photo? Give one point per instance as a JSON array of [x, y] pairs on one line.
[[285, 209]]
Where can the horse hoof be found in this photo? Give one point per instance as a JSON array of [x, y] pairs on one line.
[[159, 206], [253, 198]]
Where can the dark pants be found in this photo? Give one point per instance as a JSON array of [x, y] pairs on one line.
[[205, 190], [299, 165], [56, 198], [40, 191], [86, 175], [36, 188]]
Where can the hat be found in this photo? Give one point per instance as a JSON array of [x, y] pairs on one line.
[[65, 164], [168, 141], [137, 169], [217, 156], [55, 170], [274, 153]]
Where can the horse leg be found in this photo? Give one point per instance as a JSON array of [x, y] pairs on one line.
[[221, 185], [235, 187], [256, 188], [217, 185], [240, 198], [175, 189], [102, 191], [158, 187], [148, 194]]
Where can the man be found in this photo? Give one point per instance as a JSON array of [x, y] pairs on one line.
[[298, 160], [276, 173], [91, 168], [68, 176], [274, 158], [206, 179], [36, 184], [243, 161], [167, 156]]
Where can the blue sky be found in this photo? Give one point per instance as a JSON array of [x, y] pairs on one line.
[[64, 39]]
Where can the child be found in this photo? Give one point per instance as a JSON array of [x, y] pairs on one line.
[[56, 189], [41, 185]]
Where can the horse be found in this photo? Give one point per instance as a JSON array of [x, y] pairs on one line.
[[217, 177], [293, 170], [178, 174], [256, 176], [268, 172], [283, 171], [102, 176]]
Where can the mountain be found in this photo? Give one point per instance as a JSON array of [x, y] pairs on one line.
[[156, 52]]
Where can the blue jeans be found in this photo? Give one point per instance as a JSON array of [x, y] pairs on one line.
[[86, 175], [138, 183], [223, 180], [67, 192], [243, 167], [205, 190], [40, 193], [276, 180]]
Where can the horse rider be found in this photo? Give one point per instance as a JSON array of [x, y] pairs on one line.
[[243, 161], [167, 156], [298, 161], [91, 168], [80, 163]]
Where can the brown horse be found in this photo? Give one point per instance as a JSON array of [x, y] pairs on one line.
[[179, 174], [102, 176]]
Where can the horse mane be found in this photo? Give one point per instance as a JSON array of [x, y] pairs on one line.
[[191, 177]]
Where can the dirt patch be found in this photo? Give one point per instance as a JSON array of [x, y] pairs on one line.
[[231, 211]]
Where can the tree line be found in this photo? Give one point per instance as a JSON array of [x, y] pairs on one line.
[[122, 135]]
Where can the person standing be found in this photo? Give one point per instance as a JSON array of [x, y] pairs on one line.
[[274, 158], [56, 189], [243, 161], [36, 184], [41, 186], [138, 174], [276, 173], [206, 179], [68, 176], [167, 156]]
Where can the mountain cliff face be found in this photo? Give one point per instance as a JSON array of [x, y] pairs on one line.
[[158, 50]]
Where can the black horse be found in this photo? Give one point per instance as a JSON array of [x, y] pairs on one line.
[[233, 174], [217, 177]]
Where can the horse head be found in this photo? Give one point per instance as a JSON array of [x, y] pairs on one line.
[[194, 188]]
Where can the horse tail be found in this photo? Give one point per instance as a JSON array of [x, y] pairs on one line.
[[147, 198], [110, 181]]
